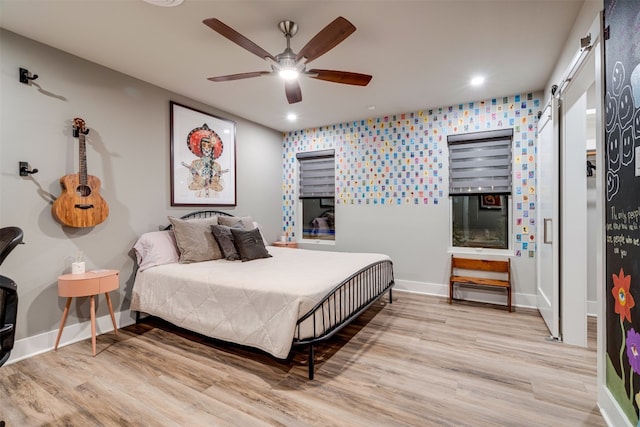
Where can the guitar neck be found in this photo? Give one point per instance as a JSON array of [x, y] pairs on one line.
[[83, 159]]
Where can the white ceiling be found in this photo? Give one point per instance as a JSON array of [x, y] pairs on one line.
[[421, 54]]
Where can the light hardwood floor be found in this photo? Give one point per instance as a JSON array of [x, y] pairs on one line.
[[416, 362]]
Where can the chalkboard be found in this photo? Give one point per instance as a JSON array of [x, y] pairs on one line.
[[622, 153]]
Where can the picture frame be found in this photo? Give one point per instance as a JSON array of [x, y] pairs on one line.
[[203, 158], [490, 201]]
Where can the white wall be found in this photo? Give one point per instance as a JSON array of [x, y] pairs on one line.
[[127, 148]]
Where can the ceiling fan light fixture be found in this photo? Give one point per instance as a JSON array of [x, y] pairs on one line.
[[288, 73], [289, 65]]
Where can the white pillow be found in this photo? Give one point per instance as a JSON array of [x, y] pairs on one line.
[[156, 248]]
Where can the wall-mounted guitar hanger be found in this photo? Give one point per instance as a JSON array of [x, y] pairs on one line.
[[25, 76], [24, 169]]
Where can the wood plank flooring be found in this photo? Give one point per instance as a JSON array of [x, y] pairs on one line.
[[416, 362]]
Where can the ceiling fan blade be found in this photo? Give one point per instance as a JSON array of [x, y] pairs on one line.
[[328, 38], [228, 32], [344, 77], [293, 91], [239, 76]]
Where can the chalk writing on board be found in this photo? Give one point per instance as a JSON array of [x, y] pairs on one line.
[[622, 230]]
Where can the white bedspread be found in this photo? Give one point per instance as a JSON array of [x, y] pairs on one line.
[[255, 303]]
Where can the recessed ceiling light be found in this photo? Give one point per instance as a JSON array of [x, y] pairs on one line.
[[477, 81], [371, 107], [291, 117], [164, 3]]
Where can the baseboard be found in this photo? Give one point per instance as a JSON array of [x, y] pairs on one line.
[[610, 410], [37, 344], [592, 308], [477, 294], [490, 296]]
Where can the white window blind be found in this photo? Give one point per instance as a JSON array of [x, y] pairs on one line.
[[480, 162], [317, 174]]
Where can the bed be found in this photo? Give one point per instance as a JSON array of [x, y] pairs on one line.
[[285, 298]]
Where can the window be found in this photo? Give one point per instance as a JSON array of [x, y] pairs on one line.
[[480, 189], [316, 193], [475, 225]]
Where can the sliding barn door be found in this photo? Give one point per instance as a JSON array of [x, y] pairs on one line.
[[548, 170]]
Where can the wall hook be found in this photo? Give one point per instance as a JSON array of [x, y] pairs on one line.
[[25, 77], [24, 169]]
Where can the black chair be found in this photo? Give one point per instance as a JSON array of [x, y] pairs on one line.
[[10, 237]]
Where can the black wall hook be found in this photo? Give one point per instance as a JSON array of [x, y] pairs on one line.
[[24, 76], [24, 169]]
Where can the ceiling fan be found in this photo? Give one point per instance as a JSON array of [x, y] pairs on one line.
[[290, 65]]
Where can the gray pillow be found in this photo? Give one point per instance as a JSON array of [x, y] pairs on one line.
[[249, 244], [195, 240], [223, 236], [230, 221]]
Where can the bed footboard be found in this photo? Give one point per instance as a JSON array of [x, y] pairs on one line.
[[342, 305]]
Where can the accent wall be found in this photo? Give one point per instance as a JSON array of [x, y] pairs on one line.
[[393, 168], [622, 140]]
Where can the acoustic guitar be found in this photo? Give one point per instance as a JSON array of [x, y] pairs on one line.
[[80, 204]]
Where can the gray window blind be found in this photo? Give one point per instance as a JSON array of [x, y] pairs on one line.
[[317, 174], [480, 162]]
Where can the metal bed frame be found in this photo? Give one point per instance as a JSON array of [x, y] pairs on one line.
[[340, 307], [344, 303]]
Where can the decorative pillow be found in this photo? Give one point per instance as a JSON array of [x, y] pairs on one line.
[[264, 240], [223, 236], [230, 221], [156, 248], [249, 244], [195, 240]]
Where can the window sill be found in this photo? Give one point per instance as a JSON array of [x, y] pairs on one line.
[[318, 242], [478, 251]]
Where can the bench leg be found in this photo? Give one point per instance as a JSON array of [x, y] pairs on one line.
[[509, 298], [450, 292]]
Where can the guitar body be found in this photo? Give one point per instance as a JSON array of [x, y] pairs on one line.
[[80, 205]]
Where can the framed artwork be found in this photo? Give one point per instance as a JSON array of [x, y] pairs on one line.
[[490, 201], [203, 158]]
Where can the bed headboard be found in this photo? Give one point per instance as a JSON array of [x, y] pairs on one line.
[[204, 214], [201, 214]]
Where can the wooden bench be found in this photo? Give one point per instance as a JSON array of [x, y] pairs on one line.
[[480, 265]]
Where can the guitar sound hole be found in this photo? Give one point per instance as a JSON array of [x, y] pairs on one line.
[[83, 190]]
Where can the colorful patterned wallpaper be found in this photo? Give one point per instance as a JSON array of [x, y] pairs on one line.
[[401, 159]]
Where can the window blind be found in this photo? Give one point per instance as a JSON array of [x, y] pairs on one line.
[[317, 174], [480, 162]]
